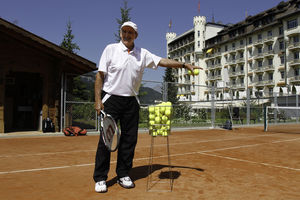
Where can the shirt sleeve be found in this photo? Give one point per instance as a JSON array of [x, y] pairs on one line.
[[103, 63], [152, 60]]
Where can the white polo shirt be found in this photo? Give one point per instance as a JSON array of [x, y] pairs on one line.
[[124, 70]]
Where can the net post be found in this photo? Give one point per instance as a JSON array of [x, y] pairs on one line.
[[265, 118]]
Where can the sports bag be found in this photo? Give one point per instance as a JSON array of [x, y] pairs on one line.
[[48, 125], [75, 131]]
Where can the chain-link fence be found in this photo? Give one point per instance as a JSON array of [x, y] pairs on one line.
[[79, 102], [193, 105]]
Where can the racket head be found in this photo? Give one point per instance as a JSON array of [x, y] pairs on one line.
[[109, 131]]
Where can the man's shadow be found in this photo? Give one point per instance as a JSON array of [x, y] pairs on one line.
[[140, 172]]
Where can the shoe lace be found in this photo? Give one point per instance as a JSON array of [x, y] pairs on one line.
[[100, 183]]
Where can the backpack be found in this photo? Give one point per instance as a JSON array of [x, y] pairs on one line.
[[74, 130], [48, 125]]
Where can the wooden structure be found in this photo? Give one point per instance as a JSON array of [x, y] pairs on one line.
[[31, 75]]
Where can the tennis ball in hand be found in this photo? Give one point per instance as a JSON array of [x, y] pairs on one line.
[[189, 72], [196, 71]]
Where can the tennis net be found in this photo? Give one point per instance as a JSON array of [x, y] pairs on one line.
[[282, 119]]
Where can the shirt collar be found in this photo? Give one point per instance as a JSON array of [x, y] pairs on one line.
[[124, 48]]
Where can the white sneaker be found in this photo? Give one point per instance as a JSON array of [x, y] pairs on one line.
[[126, 182], [101, 187]]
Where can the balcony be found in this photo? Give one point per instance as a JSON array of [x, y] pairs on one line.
[[269, 39], [294, 62], [240, 73], [268, 68], [269, 83], [259, 42], [232, 74], [269, 53], [294, 46], [259, 70], [259, 56], [240, 60], [260, 84], [295, 79]]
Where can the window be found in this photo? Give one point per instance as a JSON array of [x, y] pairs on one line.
[[260, 77], [241, 55], [233, 57], [198, 43], [233, 69], [282, 74], [271, 91], [292, 23], [280, 30], [270, 61], [250, 65], [242, 68], [241, 42], [198, 33], [270, 47], [270, 76], [233, 45], [282, 60], [259, 37], [296, 39], [259, 50], [281, 45], [269, 33], [259, 64], [296, 55], [297, 71], [250, 40], [226, 48], [251, 79]]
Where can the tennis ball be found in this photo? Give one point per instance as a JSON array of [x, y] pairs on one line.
[[151, 109], [151, 116], [157, 120], [151, 122], [157, 113], [168, 122], [164, 118], [168, 112], [162, 109], [189, 72], [154, 133], [196, 71]]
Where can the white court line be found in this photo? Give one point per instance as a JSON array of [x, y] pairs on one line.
[[173, 144], [205, 152], [252, 162]]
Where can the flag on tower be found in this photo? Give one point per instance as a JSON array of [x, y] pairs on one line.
[[199, 7], [170, 24]]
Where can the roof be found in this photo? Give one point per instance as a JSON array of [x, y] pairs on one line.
[[83, 65]]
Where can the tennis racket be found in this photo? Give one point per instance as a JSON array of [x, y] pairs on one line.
[[109, 131]]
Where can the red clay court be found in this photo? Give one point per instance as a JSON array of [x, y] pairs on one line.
[[245, 163]]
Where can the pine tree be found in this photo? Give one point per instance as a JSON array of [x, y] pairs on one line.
[[67, 42], [172, 88], [124, 18]]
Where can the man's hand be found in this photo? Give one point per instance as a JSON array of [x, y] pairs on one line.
[[99, 106]]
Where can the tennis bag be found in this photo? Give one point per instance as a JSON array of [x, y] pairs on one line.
[[48, 125], [75, 131]]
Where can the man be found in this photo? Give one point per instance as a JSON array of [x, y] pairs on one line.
[[117, 84]]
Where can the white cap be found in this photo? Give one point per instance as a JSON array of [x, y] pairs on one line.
[[131, 24]]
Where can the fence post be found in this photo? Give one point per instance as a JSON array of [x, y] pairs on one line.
[[213, 111], [248, 106], [165, 91]]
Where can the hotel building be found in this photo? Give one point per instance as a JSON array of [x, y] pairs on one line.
[[259, 55]]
